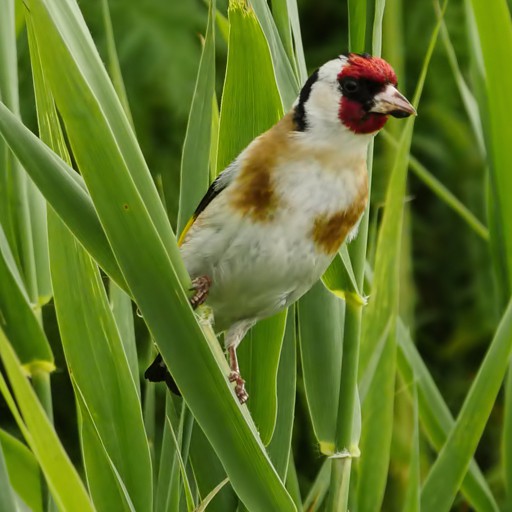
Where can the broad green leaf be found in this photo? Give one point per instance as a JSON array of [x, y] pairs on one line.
[[250, 100], [321, 334], [17, 318], [95, 357], [196, 148], [448, 471], [280, 445], [436, 418], [259, 362], [63, 481], [91, 110], [23, 471]]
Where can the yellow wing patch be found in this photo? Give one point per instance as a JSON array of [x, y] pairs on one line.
[[181, 239]]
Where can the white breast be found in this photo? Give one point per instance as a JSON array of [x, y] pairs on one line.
[[258, 268]]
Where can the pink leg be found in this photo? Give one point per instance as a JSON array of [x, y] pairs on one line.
[[235, 376], [201, 286]]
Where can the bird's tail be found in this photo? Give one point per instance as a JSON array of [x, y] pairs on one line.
[[158, 372]]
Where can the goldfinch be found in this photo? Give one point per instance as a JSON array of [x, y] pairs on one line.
[[273, 220]]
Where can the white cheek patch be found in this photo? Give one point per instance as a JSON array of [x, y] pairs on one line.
[[323, 102]]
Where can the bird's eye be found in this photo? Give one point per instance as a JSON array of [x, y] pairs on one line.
[[350, 86]]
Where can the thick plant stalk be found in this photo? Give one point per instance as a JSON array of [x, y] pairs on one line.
[[342, 461]]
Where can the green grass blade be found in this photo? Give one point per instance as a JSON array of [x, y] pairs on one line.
[[377, 428], [449, 469], [284, 75], [412, 497], [63, 191], [121, 305], [113, 61], [99, 366], [495, 32], [282, 22], [292, 483], [209, 497], [103, 480], [17, 318], [321, 334], [65, 485], [507, 437], [468, 99], [209, 472], [319, 488], [441, 191], [293, 14], [19, 196], [168, 490], [495, 37], [23, 471], [196, 148], [356, 25], [436, 418], [383, 309], [7, 498], [9, 96], [183, 471]]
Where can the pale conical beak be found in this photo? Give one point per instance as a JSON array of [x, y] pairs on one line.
[[393, 103]]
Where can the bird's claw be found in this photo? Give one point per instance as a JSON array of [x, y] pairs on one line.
[[240, 391], [201, 286]]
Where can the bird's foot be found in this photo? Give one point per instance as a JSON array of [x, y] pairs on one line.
[[201, 286], [240, 391]]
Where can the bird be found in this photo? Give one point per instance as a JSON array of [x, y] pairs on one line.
[[272, 222]]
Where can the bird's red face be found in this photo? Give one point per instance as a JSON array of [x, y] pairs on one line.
[[369, 94]]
